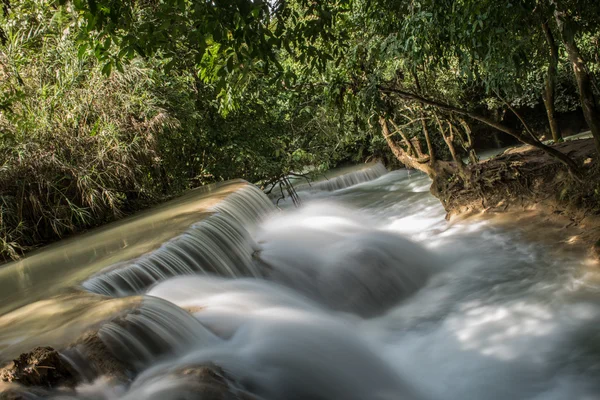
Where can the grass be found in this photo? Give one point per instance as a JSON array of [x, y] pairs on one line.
[[77, 148]]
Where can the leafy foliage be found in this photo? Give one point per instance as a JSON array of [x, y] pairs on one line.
[[226, 41], [80, 148]]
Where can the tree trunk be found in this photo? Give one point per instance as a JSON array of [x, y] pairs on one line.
[[552, 152], [410, 149], [469, 142], [400, 154], [432, 158], [417, 146], [591, 111], [550, 84], [449, 139]]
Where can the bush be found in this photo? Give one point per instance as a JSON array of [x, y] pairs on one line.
[[77, 148]]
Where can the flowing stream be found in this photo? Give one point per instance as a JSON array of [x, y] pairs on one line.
[[366, 292]]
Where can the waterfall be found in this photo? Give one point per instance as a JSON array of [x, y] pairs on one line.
[[358, 267], [62, 265], [246, 206], [155, 329], [269, 327], [346, 179], [219, 244]]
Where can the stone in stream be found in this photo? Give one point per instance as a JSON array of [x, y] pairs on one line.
[[92, 359], [43, 366], [43, 372], [206, 382], [210, 380], [9, 391]]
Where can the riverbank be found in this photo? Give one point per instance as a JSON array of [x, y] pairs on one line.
[[525, 184]]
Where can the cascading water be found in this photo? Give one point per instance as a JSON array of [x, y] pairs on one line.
[[343, 262], [344, 178], [366, 292], [218, 244]]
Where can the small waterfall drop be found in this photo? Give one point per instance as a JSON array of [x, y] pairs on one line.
[[346, 179], [269, 327], [246, 206], [157, 328], [219, 244]]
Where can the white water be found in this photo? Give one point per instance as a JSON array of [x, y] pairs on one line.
[[218, 244], [368, 293]]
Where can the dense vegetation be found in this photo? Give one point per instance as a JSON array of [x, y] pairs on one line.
[[108, 106], [80, 147]]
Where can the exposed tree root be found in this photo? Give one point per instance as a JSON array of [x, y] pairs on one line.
[[526, 178]]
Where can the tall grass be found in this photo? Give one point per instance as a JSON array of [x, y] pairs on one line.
[[76, 148]]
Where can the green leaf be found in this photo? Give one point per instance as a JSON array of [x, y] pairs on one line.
[[83, 48], [107, 68], [169, 66]]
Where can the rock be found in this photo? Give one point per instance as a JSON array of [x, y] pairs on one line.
[[193, 309], [206, 382], [215, 384], [92, 359], [44, 372], [43, 366], [596, 250], [210, 381]]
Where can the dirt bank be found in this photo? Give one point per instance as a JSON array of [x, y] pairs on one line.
[[526, 185]]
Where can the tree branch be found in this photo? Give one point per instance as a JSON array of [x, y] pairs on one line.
[[552, 152]]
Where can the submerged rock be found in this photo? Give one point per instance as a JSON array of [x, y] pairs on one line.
[[43, 366], [210, 377], [596, 249], [44, 373], [206, 382], [91, 358]]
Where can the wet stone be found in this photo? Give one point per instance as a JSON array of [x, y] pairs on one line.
[[92, 359], [43, 366], [206, 382]]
